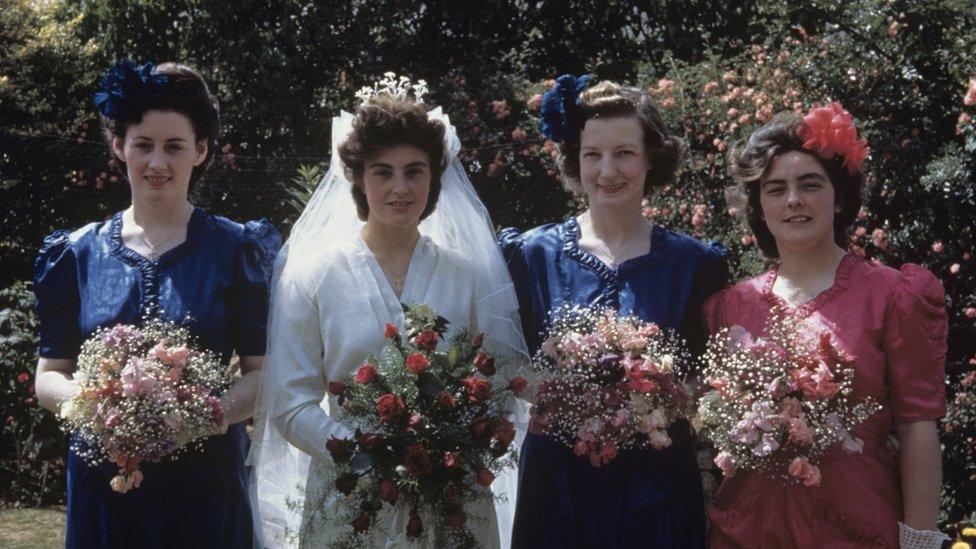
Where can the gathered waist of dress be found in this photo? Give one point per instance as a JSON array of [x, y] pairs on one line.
[[880, 445]]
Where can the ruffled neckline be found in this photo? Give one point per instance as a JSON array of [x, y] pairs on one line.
[[571, 236], [842, 279], [169, 256]]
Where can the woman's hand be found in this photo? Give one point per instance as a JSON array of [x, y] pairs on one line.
[[238, 401], [54, 384]]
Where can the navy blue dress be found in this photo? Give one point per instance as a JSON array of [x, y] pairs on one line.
[[216, 283], [642, 498]]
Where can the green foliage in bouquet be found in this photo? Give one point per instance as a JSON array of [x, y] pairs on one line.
[[430, 435]]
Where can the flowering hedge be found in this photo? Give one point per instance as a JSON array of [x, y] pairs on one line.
[[32, 448], [719, 69]]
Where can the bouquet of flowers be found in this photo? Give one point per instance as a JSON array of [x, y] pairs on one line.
[[430, 433], [779, 401], [145, 394], [607, 382]]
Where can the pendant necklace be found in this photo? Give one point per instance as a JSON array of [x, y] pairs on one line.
[[144, 237], [396, 280], [612, 256], [798, 297]]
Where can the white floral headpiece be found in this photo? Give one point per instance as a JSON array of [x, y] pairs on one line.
[[398, 88]]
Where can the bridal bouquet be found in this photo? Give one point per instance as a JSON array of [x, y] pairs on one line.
[[430, 433], [607, 382], [779, 401], [145, 394]]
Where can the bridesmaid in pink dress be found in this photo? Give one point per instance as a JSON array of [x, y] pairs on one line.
[[804, 184]]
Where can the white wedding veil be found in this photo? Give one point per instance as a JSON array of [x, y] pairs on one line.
[[461, 223]]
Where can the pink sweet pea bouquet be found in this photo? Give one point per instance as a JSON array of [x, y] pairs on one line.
[[779, 401], [607, 383], [145, 393]]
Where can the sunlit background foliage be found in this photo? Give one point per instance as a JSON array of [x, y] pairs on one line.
[[283, 68]]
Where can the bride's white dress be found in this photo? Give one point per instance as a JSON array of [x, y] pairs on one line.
[[334, 306], [330, 303]]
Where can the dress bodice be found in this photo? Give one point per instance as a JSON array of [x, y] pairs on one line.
[[667, 285], [215, 282], [642, 498], [893, 322]]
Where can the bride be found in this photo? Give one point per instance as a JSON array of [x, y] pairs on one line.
[[396, 221]]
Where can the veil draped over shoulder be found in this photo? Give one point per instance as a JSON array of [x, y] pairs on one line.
[[460, 223]]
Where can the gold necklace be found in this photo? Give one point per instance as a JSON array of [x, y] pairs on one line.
[[612, 256], [799, 297], [144, 237]]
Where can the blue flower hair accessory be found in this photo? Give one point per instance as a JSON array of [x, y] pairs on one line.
[[126, 86], [560, 113]]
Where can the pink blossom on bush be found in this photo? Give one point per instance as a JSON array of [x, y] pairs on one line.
[[970, 98]]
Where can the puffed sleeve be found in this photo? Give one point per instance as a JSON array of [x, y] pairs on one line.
[[713, 312], [711, 276], [56, 288], [255, 260], [915, 347], [511, 242]]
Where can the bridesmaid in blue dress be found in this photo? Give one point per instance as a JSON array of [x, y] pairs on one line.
[[613, 147], [162, 257]]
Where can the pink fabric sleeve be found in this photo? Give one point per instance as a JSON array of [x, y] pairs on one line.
[[915, 347], [712, 312]]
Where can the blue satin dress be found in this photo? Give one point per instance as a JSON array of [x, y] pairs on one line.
[[216, 283], [642, 498]]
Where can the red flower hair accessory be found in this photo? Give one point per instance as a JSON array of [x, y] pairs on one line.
[[829, 131]]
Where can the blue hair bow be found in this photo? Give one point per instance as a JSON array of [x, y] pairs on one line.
[[560, 113], [126, 87]]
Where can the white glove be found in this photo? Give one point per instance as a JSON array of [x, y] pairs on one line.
[[910, 538]]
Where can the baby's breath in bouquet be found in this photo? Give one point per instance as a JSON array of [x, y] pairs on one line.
[[779, 401], [607, 382], [430, 434], [146, 392]]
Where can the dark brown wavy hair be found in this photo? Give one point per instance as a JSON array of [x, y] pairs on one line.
[[386, 122], [750, 160], [610, 100], [185, 92]]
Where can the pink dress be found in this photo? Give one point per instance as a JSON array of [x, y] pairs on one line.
[[894, 323]]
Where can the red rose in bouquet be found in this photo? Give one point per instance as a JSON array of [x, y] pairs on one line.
[[417, 460], [389, 491], [504, 432], [417, 363], [430, 431], [389, 407], [427, 340], [414, 527], [447, 401], [485, 363], [365, 374], [479, 390]]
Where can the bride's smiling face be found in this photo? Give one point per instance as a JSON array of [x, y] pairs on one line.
[[396, 182]]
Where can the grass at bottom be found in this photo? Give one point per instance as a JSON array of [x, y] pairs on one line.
[[30, 528]]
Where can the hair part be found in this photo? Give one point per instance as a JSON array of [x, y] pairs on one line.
[[610, 100], [750, 160], [385, 122], [186, 93]]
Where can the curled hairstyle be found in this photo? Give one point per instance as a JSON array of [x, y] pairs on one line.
[[750, 161], [610, 100], [185, 92], [386, 122]]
